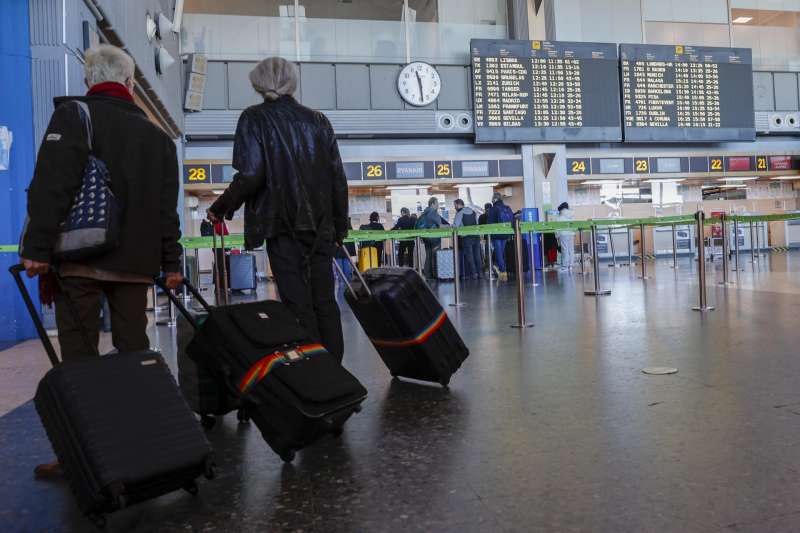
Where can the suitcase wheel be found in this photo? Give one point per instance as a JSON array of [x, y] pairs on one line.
[[207, 421], [191, 488], [357, 408], [445, 383], [242, 416], [288, 456], [99, 521]]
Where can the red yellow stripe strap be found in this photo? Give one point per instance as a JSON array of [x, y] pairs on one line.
[[416, 340], [264, 366]]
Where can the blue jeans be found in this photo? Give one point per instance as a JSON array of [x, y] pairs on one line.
[[500, 253], [471, 255], [346, 267]]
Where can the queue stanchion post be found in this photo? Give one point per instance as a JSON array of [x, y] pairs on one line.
[[629, 251], [758, 239], [642, 242], [725, 250], [456, 272], [752, 245], [630, 247], [184, 291], [674, 248], [580, 246], [542, 254], [597, 291], [490, 255], [521, 319], [701, 263], [613, 263], [736, 245]]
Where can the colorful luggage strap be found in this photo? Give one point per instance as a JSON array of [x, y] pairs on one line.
[[264, 366], [416, 340]]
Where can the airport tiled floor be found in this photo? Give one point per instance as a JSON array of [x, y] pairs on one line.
[[553, 428]]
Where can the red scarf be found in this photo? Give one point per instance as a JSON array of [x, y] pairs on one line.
[[110, 88]]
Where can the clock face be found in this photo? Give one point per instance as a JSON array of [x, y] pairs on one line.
[[419, 83]]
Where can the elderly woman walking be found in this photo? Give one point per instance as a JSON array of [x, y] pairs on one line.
[[291, 178]]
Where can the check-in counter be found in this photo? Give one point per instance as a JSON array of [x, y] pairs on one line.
[[684, 240]]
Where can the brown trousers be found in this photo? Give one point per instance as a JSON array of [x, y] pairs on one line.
[[127, 302]]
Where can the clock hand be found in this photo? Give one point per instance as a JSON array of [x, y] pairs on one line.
[[419, 81]]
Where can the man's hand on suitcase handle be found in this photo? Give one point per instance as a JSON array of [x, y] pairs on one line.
[[173, 280], [35, 268]]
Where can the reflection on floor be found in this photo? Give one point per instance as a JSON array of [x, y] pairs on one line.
[[553, 428]]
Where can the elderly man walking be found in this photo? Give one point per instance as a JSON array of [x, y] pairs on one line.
[[290, 175], [143, 170]]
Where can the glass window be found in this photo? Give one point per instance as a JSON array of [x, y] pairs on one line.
[[685, 33], [771, 29], [440, 30], [239, 29], [357, 30]]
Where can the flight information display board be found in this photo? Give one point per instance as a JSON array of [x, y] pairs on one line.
[[686, 93], [540, 91]]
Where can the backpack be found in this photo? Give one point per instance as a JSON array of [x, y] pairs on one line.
[[506, 214], [469, 220]]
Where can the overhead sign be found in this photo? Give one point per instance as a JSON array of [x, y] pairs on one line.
[[545, 91], [584, 166], [686, 93]]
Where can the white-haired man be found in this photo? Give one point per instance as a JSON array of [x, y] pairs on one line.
[[292, 178], [143, 169]]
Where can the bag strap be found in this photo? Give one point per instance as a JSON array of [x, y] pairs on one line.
[[86, 118]]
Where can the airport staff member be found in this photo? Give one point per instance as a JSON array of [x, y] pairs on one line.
[[143, 169], [290, 174]]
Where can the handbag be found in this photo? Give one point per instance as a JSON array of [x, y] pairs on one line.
[[92, 225]]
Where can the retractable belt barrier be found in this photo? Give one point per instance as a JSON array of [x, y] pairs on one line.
[[505, 229]]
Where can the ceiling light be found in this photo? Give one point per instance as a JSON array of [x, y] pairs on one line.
[[742, 20], [150, 27], [665, 180], [163, 60], [739, 179], [408, 187], [476, 184], [732, 186], [217, 192], [786, 178]]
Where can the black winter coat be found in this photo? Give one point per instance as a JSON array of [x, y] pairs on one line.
[[143, 168], [290, 174]]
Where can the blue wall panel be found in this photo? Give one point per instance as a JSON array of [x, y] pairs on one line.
[[16, 112]]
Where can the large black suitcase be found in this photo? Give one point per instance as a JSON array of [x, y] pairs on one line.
[[407, 324], [118, 425], [289, 385], [202, 390]]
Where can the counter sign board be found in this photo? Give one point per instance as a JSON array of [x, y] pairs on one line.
[[545, 91], [686, 93]]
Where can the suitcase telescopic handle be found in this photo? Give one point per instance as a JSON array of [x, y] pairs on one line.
[[355, 269], [16, 271], [222, 277], [159, 281]]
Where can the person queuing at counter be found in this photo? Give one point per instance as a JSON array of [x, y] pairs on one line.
[[566, 238], [143, 173], [405, 249], [374, 224], [486, 249], [470, 245], [498, 213], [430, 218], [290, 173]]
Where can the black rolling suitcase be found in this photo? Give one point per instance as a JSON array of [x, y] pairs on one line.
[[407, 324], [118, 425], [202, 390], [242, 272], [289, 385]]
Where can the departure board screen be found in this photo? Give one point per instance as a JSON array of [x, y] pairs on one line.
[[545, 91], [686, 93]]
